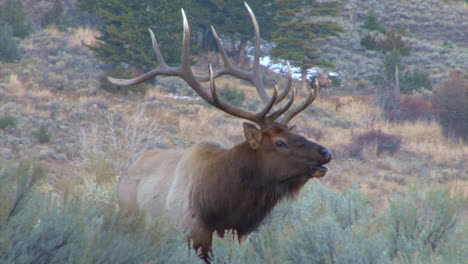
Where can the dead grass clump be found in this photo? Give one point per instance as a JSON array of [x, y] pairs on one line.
[[54, 31], [210, 124], [427, 139], [15, 86], [360, 113], [83, 36], [381, 141], [106, 150], [42, 94]]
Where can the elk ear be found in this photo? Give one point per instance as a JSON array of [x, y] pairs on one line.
[[253, 135]]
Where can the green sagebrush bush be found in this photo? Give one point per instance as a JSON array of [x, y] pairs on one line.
[[36, 227], [8, 121], [232, 95], [322, 226], [42, 135]]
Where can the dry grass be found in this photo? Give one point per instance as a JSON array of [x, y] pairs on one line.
[[110, 148], [210, 124], [54, 31], [426, 138], [15, 86], [42, 94], [154, 94], [83, 36]]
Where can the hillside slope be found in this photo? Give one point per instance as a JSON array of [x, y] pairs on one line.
[[436, 32]]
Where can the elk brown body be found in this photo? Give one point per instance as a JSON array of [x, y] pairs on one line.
[[324, 80], [342, 101], [210, 188]]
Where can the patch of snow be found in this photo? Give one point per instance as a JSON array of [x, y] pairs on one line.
[[179, 97]]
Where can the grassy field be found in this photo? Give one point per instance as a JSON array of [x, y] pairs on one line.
[[405, 207]]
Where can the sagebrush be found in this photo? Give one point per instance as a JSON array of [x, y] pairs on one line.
[[37, 225]]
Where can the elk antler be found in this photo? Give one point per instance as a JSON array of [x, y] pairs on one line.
[[262, 118], [184, 71], [310, 99]]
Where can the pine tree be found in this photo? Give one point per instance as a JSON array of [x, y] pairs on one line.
[[12, 13], [125, 36], [9, 51], [231, 20], [296, 32]]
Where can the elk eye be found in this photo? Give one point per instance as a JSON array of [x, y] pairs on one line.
[[280, 143]]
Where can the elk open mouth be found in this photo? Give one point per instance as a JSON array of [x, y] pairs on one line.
[[318, 171]]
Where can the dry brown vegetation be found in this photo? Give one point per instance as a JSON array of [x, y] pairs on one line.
[[426, 156]]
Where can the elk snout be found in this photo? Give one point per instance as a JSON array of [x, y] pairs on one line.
[[326, 154]]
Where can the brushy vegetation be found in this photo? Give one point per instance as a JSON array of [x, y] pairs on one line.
[[414, 80], [36, 227], [232, 95], [450, 105], [83, 225], [8, 121], [412, 108], [372, 23], [42, 135], [385, 143]]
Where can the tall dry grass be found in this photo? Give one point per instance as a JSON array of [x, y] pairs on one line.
[[83, 36], [15, 86]]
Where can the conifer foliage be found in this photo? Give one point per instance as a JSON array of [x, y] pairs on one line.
[[12, 13], [296, 31], [125, 36]]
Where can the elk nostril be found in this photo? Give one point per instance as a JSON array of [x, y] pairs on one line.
[[326, 153]]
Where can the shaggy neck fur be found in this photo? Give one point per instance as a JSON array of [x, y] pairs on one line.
[[243, 194]]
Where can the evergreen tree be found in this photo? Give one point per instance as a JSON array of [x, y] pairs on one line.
[[125, 36], [296, 33], [9, 51], [90, 6], [12, 13], [231, 20], [372, 23]]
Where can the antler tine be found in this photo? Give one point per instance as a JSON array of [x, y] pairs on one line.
[[285, 92], [293, 112], [185, 59], [256, 61], [273, 116], [157, 51], [259, 118], [229, 69]]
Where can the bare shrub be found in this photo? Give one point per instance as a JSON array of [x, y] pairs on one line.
[[412, 108], [110, 148], [385, 143], [450, 105]]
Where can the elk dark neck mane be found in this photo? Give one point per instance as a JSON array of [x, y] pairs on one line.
[[239, 181]]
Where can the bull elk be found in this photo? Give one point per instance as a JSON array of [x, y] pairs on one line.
[[209, 188]]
